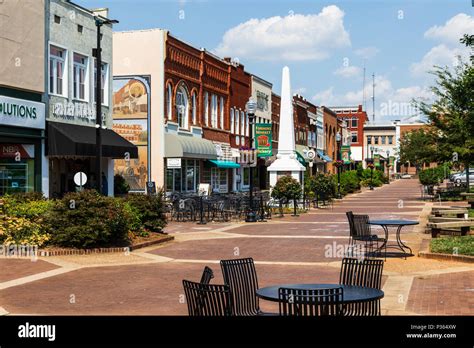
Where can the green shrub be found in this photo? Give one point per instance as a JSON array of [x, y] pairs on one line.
[[86, 219], [432, 176], [287, 188], [34, 209], [22, 231], [321, 185], [350, 182], [378, 179], [150, 210], [120, 185]]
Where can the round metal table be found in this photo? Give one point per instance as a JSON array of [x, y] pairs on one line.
[[399, 224], [352, 294]]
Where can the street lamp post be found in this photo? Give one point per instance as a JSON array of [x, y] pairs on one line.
[[251, 107], [97, 53], [371, 166], [388, 165], [338, 141]]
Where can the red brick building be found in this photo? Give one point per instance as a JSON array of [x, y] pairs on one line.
[[355, 119], [276, 100], [331, 128]]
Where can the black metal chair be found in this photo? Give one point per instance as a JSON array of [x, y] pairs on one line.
[[362, 272], [360, 231], [311, 302], [207, 275], [207, 299], [241, 276]]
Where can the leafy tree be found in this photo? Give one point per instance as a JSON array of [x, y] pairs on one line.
[[417, 147], [451, 115], [287, 188]]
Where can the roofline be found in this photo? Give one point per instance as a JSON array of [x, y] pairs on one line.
[[265, 82]]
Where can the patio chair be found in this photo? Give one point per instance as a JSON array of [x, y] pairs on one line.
[[360, 231], [207, 299], [241, 276], [311, 302], [366, 273], [207, 275]]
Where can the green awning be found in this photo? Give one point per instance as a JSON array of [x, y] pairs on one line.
[[301, 151], [225, 164], [181, 146]]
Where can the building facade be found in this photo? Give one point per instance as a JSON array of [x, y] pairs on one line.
[[331, 146], [380, 141], [355, 118], [22, 102]]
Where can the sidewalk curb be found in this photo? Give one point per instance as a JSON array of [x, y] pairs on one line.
[[446, 257], [3, 311]]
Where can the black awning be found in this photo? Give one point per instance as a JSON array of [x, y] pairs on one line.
[[72, 140]]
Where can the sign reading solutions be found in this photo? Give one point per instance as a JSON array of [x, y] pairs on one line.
[[263, 139], [21, 113]]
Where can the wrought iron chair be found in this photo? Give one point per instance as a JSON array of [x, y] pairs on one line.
[[362, 272], [360, 231], [241, 276], [311, 302], [207, 299], [207, 275]]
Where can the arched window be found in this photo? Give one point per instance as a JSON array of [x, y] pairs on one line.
[[232, 121], [242, 123], [169, 102], [182, 107], [206, 109], [194, 108], [237, 122]]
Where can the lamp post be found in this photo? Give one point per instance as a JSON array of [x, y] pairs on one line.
[[97, 53], [339, 165], [251, 107], [371, 165], [388, 165]]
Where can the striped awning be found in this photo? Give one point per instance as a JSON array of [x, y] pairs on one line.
[[181, 146]]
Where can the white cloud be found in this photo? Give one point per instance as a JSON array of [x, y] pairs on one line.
[[295, 37], [453, 29], [367, 52], [440, 55], [348, 71], [300, 90], [390, 103]]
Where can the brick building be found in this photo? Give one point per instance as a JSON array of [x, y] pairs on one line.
[[355, 119], [331, 128]]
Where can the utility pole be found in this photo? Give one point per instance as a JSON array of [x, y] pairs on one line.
[[373, 98]]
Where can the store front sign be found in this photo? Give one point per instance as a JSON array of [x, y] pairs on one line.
[[75, 111], [173, 163], [377, 161], [263, 139], [21, 113], [346, 154], [17, 151]]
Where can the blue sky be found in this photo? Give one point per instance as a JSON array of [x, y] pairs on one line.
[[325, 43]]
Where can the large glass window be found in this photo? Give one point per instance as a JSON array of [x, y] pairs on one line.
[[103, 80], [57, 70], [383, 139], [390, 139], [79, 76], [354, 122], [182, 107], [194, 109], [354, 138], [214, 111], [242, 123], [169, 101], [369, 139], [17, 170], [376, 140]]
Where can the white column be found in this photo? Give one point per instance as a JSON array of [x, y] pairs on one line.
[[44, 170], [110, 176]]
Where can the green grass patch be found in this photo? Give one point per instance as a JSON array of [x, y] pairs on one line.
[[462, 245], [471, 212]]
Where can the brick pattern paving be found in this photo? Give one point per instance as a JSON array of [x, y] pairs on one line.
[[443, 294]]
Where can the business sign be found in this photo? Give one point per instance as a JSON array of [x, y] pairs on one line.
[[21, 113], [377, 161], [391, 160], [173, 163], [263, 139], [130, 121], [17, 151], [346, 154]]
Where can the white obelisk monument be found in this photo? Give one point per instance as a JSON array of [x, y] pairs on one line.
[[286, 162]]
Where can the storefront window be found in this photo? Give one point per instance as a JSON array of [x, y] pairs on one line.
[[17, 171], [185, 178]]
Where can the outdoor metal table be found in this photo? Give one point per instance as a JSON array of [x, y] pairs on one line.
[[351, 294], [394, 223]]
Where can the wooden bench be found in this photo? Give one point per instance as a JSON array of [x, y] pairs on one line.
[[458, 212], [461, 227], [432, 218]]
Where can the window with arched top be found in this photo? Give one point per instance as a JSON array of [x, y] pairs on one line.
[[232, 126], [169, 102], [194, 108], [182, 106]]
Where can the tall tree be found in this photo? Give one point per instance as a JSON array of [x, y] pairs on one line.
[[418, 148], [451, 115]]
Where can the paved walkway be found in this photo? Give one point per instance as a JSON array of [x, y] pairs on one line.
[[303, 249]]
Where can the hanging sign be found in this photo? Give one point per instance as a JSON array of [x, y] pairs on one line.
[[346, 154], [377, 161], [263, 139]]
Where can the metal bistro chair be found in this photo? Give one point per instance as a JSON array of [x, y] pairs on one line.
[[207, 299], [366, 273], [311, 302], [207, 275], [240, 275], [359, 230]]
